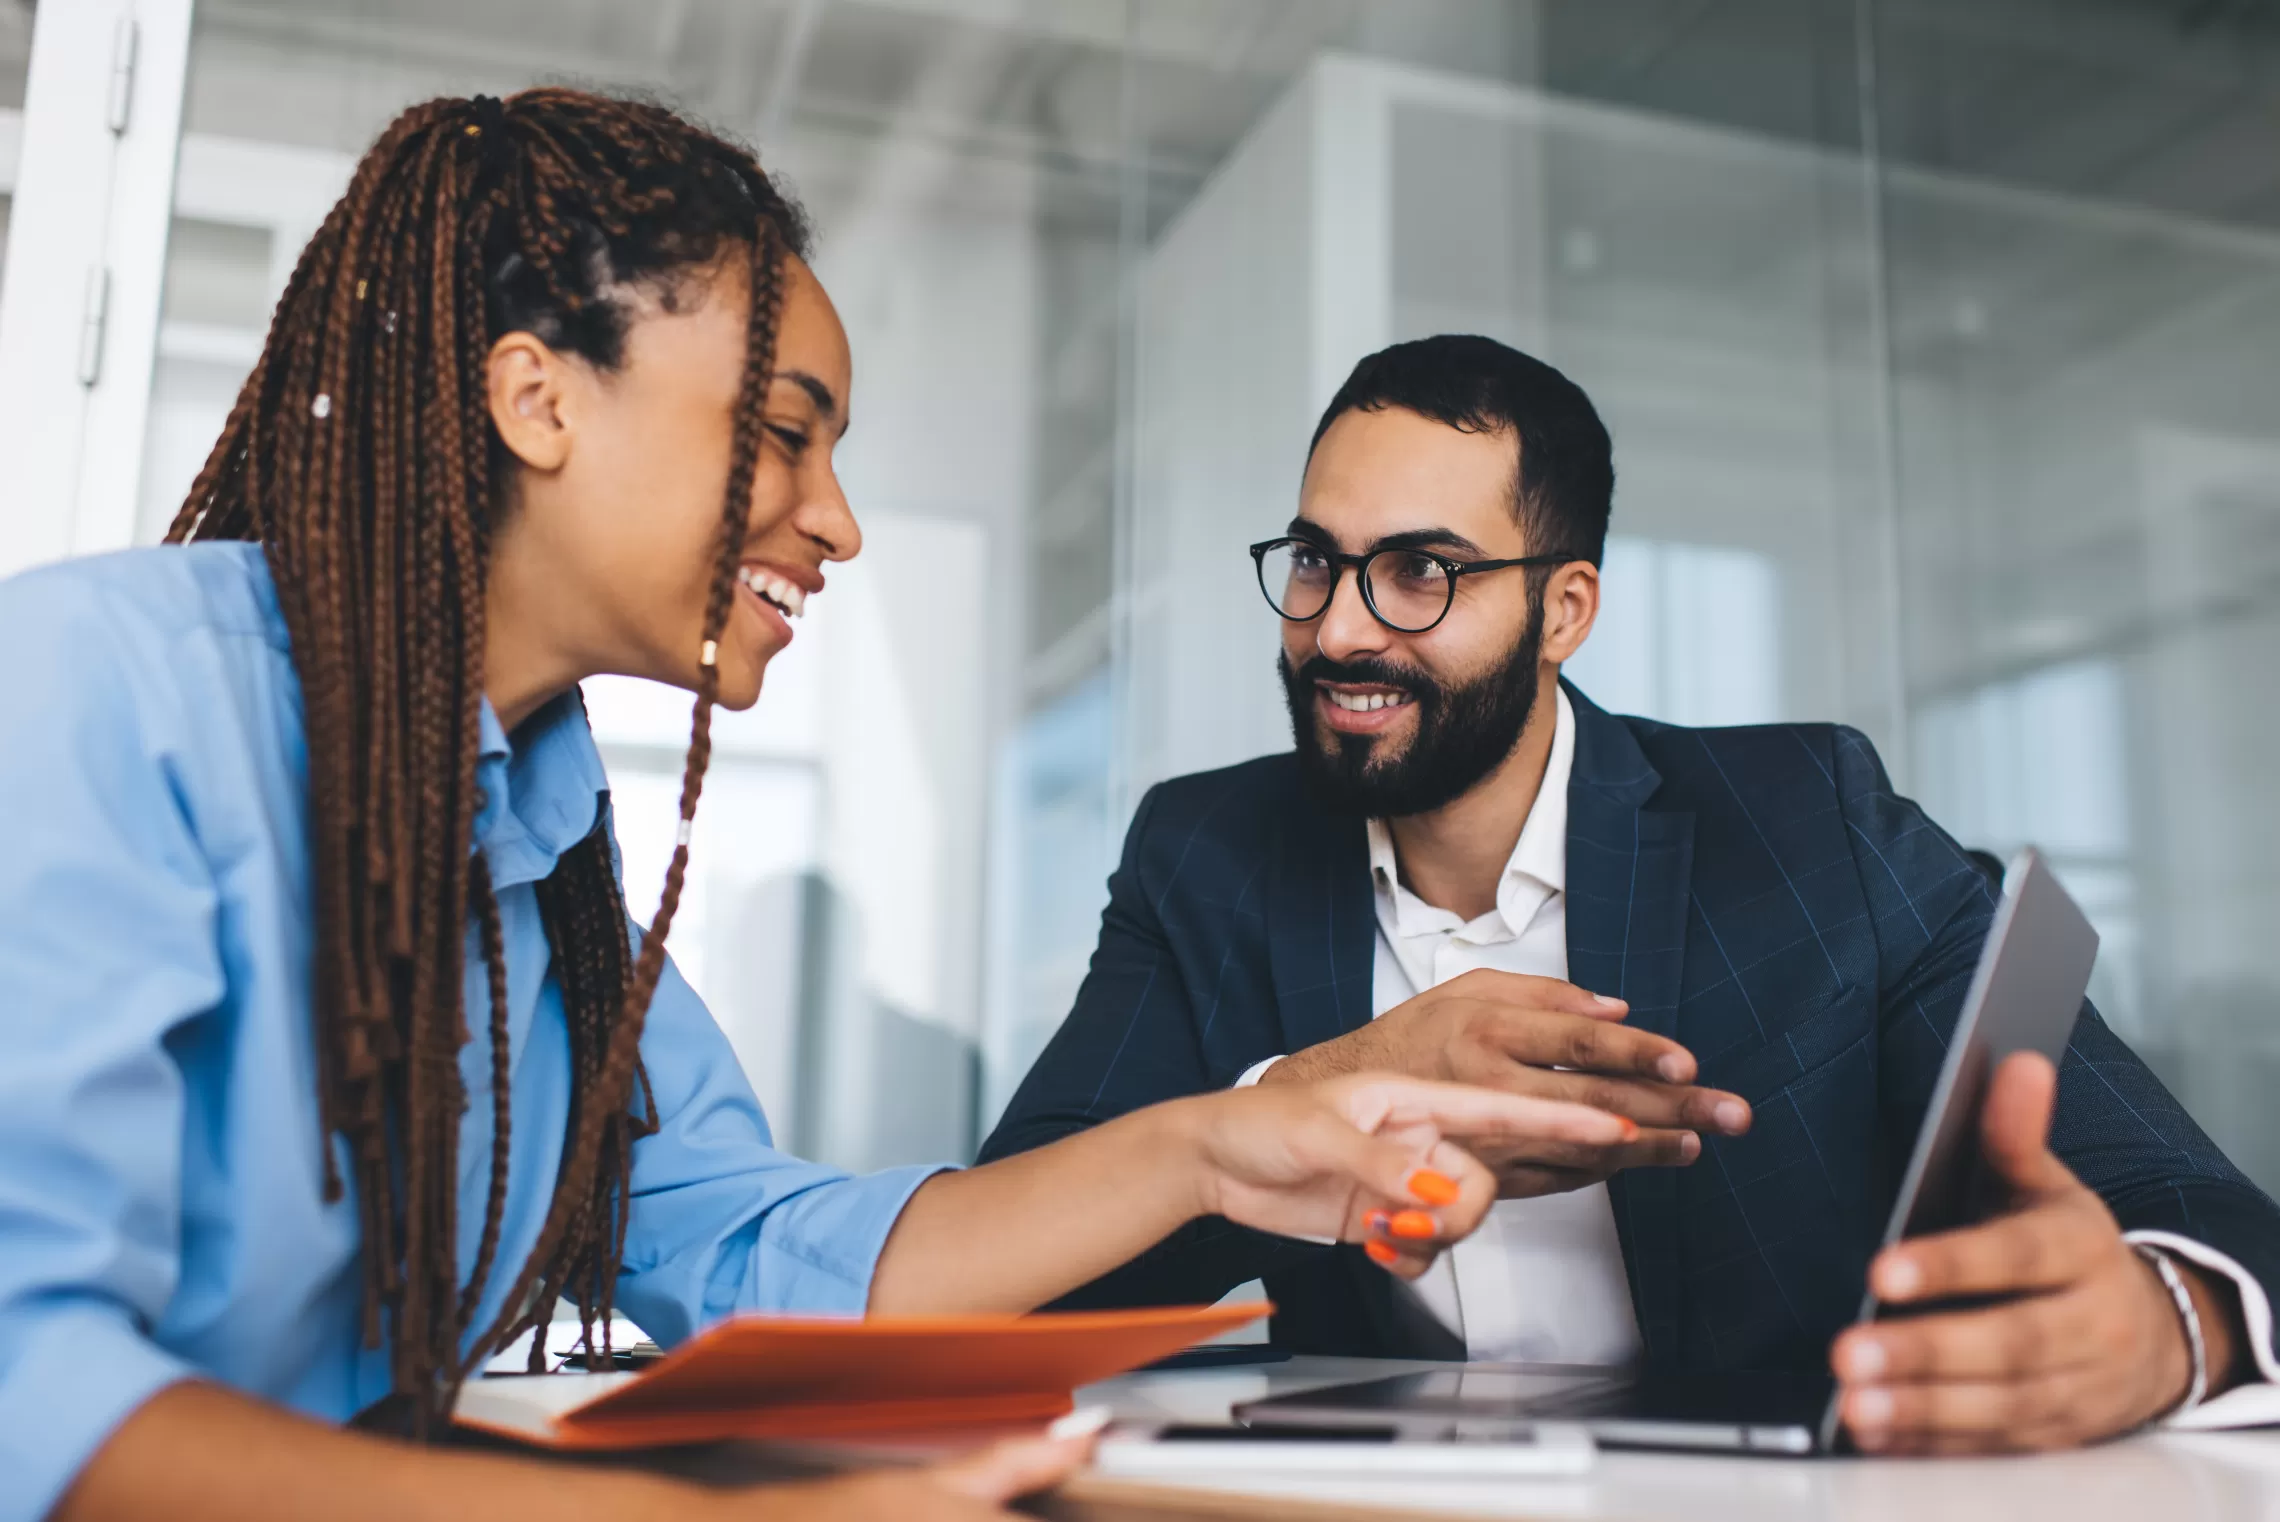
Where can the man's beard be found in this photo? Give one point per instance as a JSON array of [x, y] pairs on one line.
[[1462, 733]]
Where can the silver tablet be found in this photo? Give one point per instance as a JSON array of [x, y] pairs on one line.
[[2025, 996]]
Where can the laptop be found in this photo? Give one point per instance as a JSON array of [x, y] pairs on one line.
[[2032, 975]]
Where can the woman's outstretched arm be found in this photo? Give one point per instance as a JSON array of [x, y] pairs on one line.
[[1339, 1159]]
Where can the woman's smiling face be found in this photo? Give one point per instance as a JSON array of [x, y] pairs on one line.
[[616, 513]]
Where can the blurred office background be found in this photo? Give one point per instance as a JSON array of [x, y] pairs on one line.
[[1940, 340]]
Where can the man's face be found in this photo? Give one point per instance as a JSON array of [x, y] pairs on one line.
[[1386, 723]]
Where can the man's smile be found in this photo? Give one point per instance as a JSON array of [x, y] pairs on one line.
[[1361, 708]]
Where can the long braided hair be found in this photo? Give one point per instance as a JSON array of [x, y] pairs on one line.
[[360, 455]]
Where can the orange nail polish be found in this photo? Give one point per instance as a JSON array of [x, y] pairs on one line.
[[1381, 1254], [1413, 1224], [1630, 1128], [1433, 1186]]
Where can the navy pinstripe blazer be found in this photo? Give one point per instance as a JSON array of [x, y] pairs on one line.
[[1760, 895]]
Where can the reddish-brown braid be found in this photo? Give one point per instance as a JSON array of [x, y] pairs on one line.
[[360, 454]]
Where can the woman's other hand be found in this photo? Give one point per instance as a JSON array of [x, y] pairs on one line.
[[975, 1488], [1372, 1158]]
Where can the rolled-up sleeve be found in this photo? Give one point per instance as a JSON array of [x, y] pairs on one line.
[[721, 1221], [107, 950]]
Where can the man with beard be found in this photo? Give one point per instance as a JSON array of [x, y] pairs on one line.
[[1740, 939]]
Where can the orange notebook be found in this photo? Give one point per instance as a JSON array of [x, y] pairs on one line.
[[773, 1377]]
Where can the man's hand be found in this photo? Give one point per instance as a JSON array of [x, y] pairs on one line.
[[1546, 1039], [2091, 1346]]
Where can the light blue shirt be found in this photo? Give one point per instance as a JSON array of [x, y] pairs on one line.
[[161, 1184]]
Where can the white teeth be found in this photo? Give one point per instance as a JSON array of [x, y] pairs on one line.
[[789, 599], [1368, 702]]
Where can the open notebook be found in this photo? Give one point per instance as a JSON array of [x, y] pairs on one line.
[[774, 1377]]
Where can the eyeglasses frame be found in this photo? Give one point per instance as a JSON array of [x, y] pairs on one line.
[[1359, 565]]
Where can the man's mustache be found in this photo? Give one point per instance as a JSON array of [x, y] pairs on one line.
[[1366, 672]]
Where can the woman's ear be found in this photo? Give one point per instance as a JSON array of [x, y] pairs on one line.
[[528, 391], [1571, 606]]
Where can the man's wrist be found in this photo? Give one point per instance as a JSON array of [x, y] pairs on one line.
[[2188, 1385], [1304, 1066], [2224, 1337]]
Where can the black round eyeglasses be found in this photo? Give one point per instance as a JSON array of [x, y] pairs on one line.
[[1409, 591]]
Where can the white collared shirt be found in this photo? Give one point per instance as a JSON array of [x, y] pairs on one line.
[[1542, 1280]]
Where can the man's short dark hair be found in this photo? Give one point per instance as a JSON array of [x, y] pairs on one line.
[[1565, 485]]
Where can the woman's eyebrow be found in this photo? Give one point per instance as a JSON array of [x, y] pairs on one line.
[[817, 391]]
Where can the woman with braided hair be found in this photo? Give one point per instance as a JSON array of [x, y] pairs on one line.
[[334, 1062]]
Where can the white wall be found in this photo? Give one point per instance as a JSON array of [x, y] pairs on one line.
[[1234, 362]]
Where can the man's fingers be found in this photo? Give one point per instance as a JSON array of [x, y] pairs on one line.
[[1565, 1039], [1999, 1413], [1653, 1149], [2043, 1247], [2036, 1335], [1527, 1177], [2014, 1125], [1667, 1106], [1520, 989]]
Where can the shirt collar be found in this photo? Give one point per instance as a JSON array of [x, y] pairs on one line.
[[1537, 868], [541, 789]]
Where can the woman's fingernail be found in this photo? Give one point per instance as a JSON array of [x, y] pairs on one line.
[[1870, 1408], [1630, 1128], [1732, 1115], [1415, 1225], [1082, 1422], [1381, 1254], [1433, 1187], [1376, 1221]]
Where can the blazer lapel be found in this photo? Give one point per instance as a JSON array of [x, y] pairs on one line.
[[1629, 873], [1321, 927]]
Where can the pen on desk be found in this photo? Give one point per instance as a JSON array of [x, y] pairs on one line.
[[641, 1353]]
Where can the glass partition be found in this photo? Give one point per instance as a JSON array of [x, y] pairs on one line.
[[2083, 239], [1939, 353]]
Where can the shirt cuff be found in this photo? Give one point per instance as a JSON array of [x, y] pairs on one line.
[[74, 1374], [1254, 1073], [2255, 1403], [818, 1253]]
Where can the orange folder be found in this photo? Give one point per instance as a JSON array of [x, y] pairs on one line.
[[775, 1377]]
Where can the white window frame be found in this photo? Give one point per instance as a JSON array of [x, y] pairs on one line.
[[93, 193]]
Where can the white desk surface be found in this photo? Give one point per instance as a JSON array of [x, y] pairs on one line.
[[2212, 1477]]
